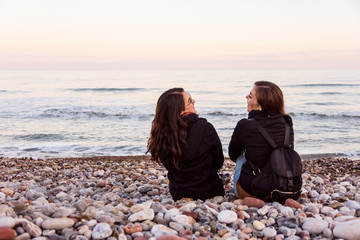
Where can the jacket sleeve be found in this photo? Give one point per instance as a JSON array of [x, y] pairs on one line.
[[236, 145], [213, 140], [292, 138]]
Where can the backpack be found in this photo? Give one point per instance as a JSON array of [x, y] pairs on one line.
[[280, 178]]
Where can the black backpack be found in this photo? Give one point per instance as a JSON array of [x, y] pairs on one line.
[[280, 178]]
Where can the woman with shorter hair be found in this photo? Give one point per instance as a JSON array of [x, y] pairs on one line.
[[187, 145], [248, 147]]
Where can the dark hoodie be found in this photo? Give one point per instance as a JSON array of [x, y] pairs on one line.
[[247, 138], [197, 176]]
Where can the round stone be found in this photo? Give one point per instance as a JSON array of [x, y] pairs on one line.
[[269, 232], [347, 229], [7, 233], [170, 213], [182, 219], [227, 216], [101, 230], [160, 230], [314, 226], [258, 225]]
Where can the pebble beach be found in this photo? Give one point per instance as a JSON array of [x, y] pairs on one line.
[[127, 197]]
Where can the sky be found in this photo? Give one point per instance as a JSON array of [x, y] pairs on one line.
[[179, 34]]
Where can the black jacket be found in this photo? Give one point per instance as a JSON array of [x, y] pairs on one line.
[[197, 176], [258, 150]]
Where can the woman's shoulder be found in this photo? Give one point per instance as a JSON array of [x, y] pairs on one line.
[[200, 123], [243, 122], [203, 122], [288, 119]]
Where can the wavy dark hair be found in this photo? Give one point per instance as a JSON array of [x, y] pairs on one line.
[[270, 97], [169, 130]]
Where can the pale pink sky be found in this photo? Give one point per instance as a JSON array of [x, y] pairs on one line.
[[179, 34]]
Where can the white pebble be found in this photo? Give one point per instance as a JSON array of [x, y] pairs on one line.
[[101, 230], [227, 216], [269, 232]]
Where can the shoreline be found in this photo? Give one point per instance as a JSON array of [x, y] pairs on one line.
[[126, 197], [309, 156]]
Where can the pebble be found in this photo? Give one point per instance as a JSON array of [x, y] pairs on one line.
[[292, 203], [351, 205], [286, 211], [347, 229], [139, 207], [181, 219], [335, 205], [146, 214], [269, 232], [7, 191], [7, 233], [31, 228], [57, 223], [176, 226], [127, 198], [327, 233], [287, 231], [264, 210], [8, 222], [258, 225], [161, 230], [314, 226], [291, 222], [130, 229], [171, 237], [227, 216], [253, 202], [101, 230], [188, 207], [24, 236], [170, 213]]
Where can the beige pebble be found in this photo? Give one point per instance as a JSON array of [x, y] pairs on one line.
[[258, 225]]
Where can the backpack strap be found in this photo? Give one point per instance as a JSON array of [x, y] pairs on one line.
[[269, 139], [255, 170], [265, 134], [287, 135]]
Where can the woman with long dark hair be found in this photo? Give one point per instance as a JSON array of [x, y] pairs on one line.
[[248, 147], [187, 145]]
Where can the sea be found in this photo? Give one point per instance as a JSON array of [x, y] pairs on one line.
[[60, 114]]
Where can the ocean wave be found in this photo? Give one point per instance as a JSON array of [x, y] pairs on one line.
[[324, 115], [324, 85], [349, 155], [106, 89], [325, 103], [71, 113], [221, 113], [40, 137], [292, 114], [331, 93], [34, 149], [83, 113]]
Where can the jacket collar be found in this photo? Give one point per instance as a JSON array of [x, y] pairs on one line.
[[260, 114], [190, 117]]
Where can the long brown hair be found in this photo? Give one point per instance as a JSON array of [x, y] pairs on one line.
[[270, 97], [169, 130]]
